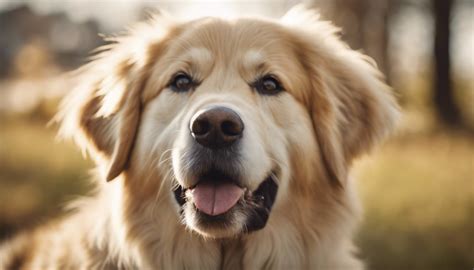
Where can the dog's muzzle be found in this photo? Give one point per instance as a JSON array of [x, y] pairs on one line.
[[217, 191]]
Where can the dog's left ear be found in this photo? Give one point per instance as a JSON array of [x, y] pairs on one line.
[[351, 107], [102, 112]]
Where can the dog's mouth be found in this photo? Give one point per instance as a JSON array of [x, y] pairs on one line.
[[216, 196]]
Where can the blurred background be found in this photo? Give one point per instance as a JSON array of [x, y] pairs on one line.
[[417, 189]]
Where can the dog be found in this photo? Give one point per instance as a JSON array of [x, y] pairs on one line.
[[219, 144]]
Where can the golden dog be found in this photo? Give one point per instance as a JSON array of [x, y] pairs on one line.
[[225, 145]]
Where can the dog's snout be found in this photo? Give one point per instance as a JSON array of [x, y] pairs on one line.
[[216, 127]]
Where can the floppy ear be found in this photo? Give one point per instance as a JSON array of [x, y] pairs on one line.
[[102, 112], [351, 107], [112, 132]]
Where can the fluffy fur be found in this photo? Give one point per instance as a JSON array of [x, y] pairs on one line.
[[121, 111]]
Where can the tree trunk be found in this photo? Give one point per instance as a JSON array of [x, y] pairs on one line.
[[444, 102], [364, 26]]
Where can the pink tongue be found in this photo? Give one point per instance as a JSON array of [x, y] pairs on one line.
[[215, 199]]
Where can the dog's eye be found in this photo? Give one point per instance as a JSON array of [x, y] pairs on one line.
[[182, 82], [268, 85]]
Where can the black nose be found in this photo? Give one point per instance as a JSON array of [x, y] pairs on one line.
[[216, 127]]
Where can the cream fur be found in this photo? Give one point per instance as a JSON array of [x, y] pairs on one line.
[[335, 108]]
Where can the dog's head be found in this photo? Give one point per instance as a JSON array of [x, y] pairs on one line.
[[226, 120]]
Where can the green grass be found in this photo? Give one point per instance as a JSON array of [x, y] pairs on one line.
[[417, 191]]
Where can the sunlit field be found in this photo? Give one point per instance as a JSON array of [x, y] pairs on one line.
[[38, 174], [417, 191], [418, 196]]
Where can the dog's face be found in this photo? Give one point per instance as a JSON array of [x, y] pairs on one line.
[[231, 109], [229, 120], [230, 153]]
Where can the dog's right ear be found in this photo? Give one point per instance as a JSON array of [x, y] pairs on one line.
[[351, 106], [102, 112]]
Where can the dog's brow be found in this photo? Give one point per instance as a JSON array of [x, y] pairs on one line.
[[198, 58], [253, 60]]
